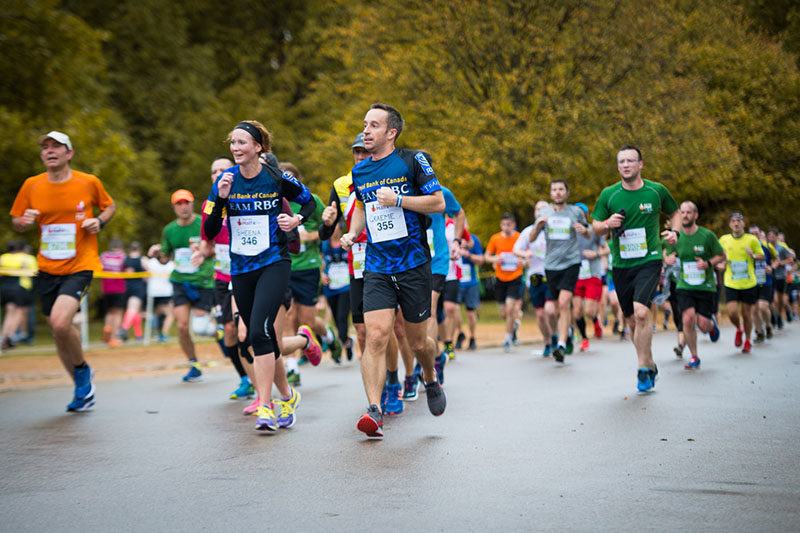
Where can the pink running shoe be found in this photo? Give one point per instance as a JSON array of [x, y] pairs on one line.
[[313, 351], [252, 408]]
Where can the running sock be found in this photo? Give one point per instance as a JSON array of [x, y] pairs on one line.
[[581, 323], [233, 353], [554, 340], [562, 345], [244, 352], [391, 377], [291, 364], [508, 337], [82, 365], [328, 338]]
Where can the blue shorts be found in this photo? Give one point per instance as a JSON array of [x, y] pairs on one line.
[[305, 286], [539, 294], [469, 296]]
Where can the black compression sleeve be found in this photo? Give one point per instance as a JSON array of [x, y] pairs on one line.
[[213, 223], [325, 232]]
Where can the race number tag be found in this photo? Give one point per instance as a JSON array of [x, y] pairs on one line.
[[359, 259], [429, 232], [249, 234], [339, 276], [222, 258], [385, 223], [58, 241], [586, 270], [558, 228], [508, 262], [633, 243], [183, 261], [739, 270], [302, 244], [466, 272], [693, 275], [761, 272]]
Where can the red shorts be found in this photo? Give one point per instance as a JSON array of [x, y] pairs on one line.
[[589, 288]]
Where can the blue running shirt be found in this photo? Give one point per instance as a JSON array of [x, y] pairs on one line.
[[252, 208], [440, 248], [396, 239]]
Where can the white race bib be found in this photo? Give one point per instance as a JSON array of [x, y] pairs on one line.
[[359, 259], [739, 270], [249, 234], [429, 232], [302, 244], [633, 243], [183, 261], [385, 223], [466, 272], [586, 270], [58, 241], [222, 258], [508, 262], [558, 228], [761, 272], [339, 276], [693, 275]]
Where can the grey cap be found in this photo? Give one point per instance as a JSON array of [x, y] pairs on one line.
[[359, 142]]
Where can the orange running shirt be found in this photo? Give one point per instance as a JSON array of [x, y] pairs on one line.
[[65, 248], [509, 268]]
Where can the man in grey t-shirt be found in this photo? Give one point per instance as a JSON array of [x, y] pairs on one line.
[[562, 223], [589, 287]]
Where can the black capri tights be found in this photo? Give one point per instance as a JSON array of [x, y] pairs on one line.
[[340, 307], [259, 295]]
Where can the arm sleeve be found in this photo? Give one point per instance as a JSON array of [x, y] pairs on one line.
[[295, 191], [325, 232], [213, 221], [451, 205]]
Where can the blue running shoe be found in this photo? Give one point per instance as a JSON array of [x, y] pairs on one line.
[[410, 388], [507, 347], [645, 379], [266, 420], [384, 398], [244, 391], [194, 374], [394, 401], [714, 333], [439, 367], [546, 352], [693, 363], [84, 387], [80, 404]]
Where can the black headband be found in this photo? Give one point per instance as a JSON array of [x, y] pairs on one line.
[[252, 130]]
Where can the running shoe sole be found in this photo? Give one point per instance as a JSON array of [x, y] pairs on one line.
[[371, 427]]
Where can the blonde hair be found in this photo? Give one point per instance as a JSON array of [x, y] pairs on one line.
[[266, 138]]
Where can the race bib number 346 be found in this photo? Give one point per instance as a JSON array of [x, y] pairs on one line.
[[249, 234]]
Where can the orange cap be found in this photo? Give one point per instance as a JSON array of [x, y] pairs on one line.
[[182, 195]]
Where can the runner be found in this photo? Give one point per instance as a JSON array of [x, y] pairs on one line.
[[782, 259], [697, 252], [219, 248], [562, 223], [160, 288], [62, 202], [192, 280], [134, 291], [534, 251], [629, 210], [250, 196], [114, 291], [469, 292], [508, 274], [394, 189], [336, 288], [762, 313], [589, 287], [742, 250], [17, 290]]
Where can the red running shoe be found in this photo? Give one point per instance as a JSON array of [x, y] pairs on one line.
[[747, 346], [372, 422], [738, 340], [598, 329], [584, 345]]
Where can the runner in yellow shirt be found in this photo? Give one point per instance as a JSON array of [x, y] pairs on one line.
[[742, 250]]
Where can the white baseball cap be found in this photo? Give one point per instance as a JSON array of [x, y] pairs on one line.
[[57, 136]]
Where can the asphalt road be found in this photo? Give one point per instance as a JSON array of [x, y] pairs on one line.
[[524, 445]]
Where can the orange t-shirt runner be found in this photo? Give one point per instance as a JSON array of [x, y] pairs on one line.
[[65, 247], [508, 268]]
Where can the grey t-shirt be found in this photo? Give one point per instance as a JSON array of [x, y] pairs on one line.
[[562, 241], [783, 254], [590, 268]]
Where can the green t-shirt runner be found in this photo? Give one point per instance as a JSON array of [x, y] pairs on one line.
[[641, 240], [176, 240], [310, 255], [703, 244]]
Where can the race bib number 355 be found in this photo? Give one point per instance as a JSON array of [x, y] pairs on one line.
[[385, 223]]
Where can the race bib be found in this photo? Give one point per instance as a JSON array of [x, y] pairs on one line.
[[429, 232], [58, 241], [359, 259], [586, 270], [633, 243], [761, 272], [222, 258], [385, 223], [508, 262], [558, 228], [466, 272], [183, 261], [693, 275], [739, 270], [339, 276], [249, 234]]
